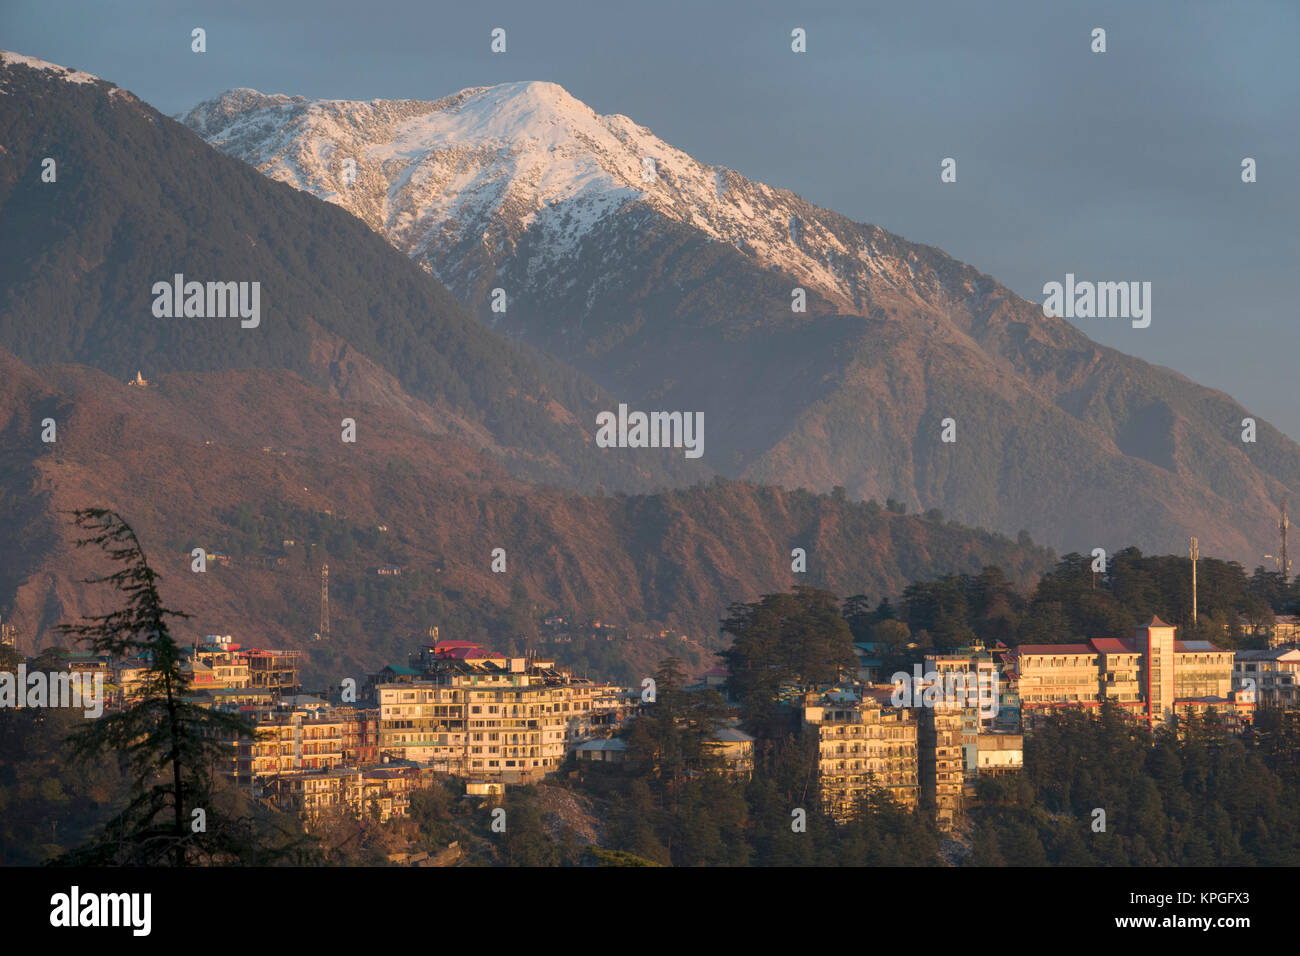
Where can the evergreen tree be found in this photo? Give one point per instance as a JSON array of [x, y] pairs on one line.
[[783, 642], [171, 745]]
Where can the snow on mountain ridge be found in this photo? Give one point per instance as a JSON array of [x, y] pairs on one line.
[[448, 179], [68, 74]]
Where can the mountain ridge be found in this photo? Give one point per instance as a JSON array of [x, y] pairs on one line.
[[678, 290], [244, 476]]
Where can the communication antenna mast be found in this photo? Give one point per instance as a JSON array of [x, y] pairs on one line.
[[1285, 561], [324, 602], [1195, 553]]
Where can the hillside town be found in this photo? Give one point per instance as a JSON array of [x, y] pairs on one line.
[[459, 710]]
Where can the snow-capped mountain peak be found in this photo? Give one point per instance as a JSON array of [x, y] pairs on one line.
[[459, 181]]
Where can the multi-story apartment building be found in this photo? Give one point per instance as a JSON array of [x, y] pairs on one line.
[[1154, 676], [610, 705], [360, 734], [1052, 675], [387, 791], [1275, 675], [382, 792], [423, 721], [484, 716], [952, 729], [290, 741], [981, 675], [228, 665], [941, 767], [314, 795], [862, 741], [217, 663]]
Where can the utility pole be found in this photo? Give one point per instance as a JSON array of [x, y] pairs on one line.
[[1195, 553]]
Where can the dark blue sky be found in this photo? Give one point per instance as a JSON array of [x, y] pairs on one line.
[[1115, 166]]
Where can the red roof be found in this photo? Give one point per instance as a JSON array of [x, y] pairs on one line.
[[474, 651], [1156, 622], [1113, 645], [462, 650], [1054, 649]]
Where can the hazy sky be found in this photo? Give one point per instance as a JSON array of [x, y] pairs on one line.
[[1117, 166]]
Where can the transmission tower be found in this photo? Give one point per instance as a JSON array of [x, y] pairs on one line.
[[324, 602]]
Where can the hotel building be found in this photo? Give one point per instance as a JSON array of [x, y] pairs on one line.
[[1154, 676]]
